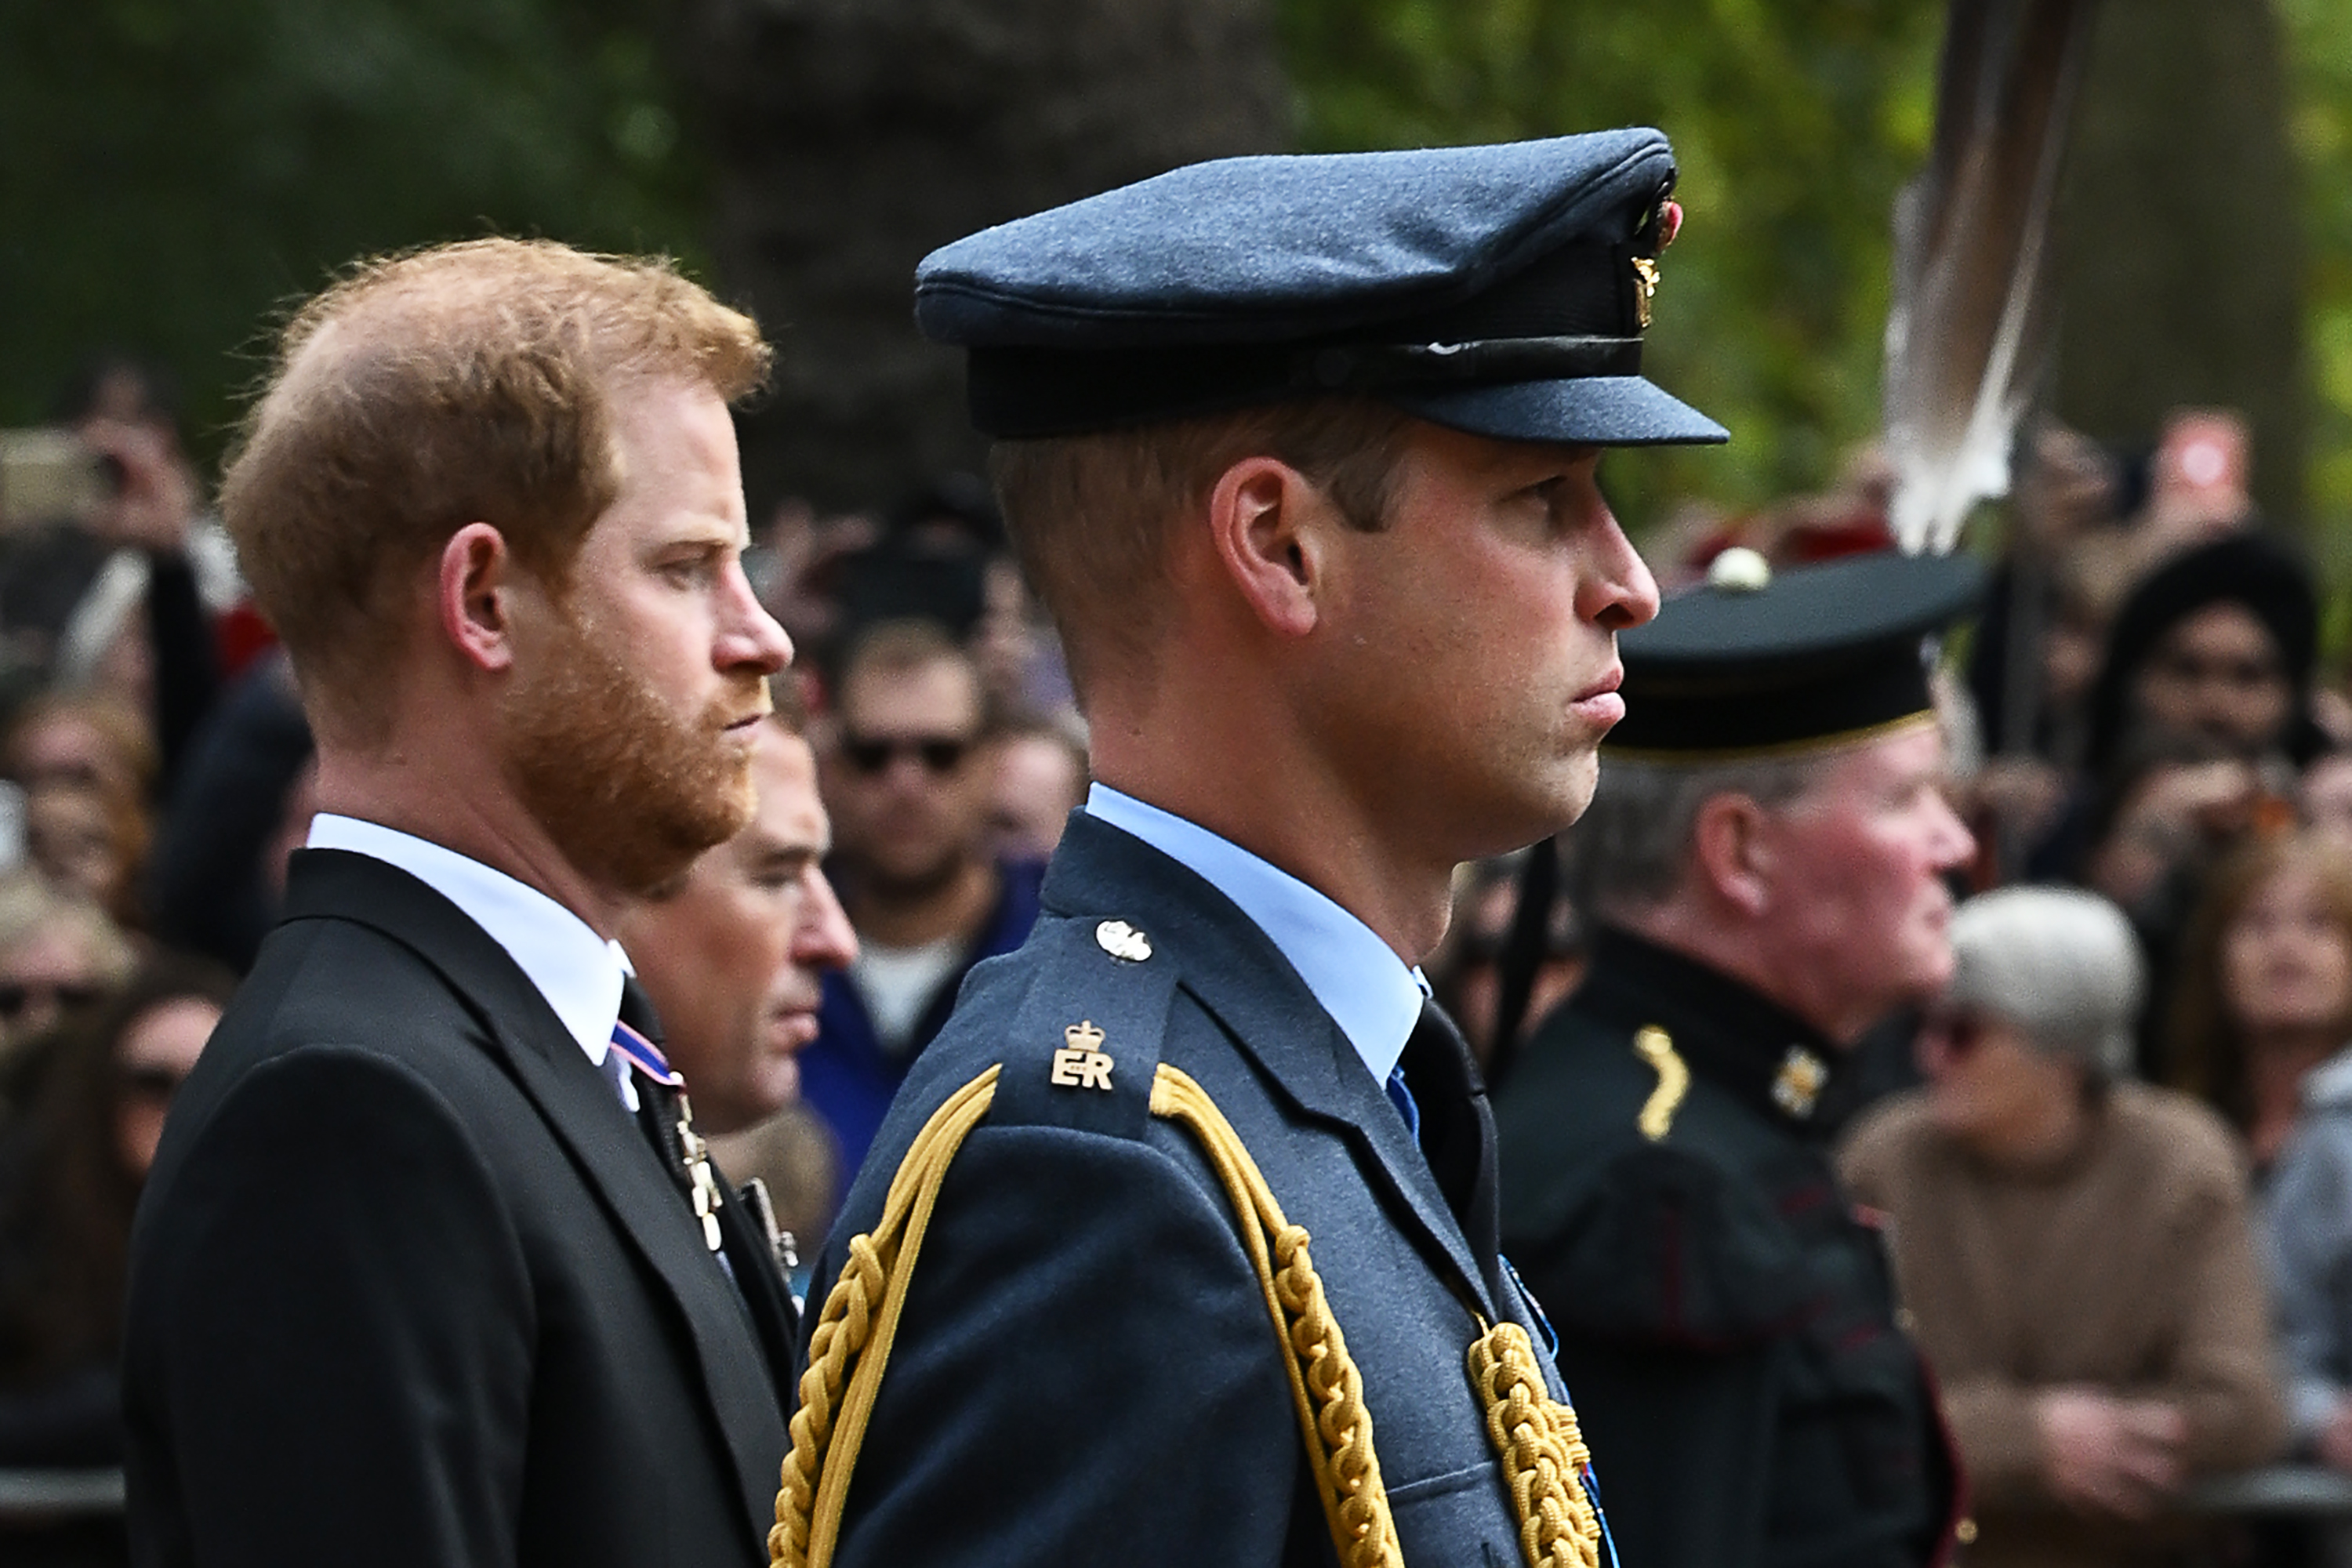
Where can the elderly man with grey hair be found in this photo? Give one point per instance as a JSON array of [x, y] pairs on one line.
[[2074, 1247]]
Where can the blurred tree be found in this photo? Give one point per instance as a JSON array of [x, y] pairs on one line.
[[170, 173], [2319, 53], [2180, 233], [853, 136], [1793, 125]]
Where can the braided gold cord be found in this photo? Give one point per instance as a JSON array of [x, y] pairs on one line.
[[1325, 1385], [852, 1342], [1541, 1449]]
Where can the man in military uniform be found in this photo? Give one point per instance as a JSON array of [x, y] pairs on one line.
[[1301, 453], [1766, 860]]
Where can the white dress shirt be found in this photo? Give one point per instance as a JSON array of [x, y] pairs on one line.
[[1369, 992], [577, 971]]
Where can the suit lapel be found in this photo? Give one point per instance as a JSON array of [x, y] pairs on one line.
[[1236, 973], [581, 1108]]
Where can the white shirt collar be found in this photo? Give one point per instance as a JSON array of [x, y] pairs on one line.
[[577, 971], [1369, 992]]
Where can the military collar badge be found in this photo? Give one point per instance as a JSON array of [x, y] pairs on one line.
[[1798, 1086]]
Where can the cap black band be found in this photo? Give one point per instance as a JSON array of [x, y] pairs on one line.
[[1023, 392], [1773, 708]]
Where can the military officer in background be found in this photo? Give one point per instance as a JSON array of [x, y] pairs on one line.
[[1765, 859], [1300, 451]]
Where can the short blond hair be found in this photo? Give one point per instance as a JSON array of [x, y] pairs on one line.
[[422, 392], [1091, 515]]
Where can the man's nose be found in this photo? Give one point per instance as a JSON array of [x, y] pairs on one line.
[[825, 939], [748, 634]]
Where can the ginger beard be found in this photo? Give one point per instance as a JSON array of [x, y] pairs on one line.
[[629, 791]]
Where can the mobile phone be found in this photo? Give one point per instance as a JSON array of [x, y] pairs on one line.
[[46, 474]]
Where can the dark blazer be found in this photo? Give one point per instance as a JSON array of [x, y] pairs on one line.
[[409, 1286], [1086, 1372], [1726, 1317]]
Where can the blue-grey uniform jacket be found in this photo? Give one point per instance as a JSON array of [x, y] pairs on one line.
[[1086, 1371]]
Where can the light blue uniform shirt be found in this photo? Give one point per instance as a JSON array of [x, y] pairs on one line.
[[1369, 991]]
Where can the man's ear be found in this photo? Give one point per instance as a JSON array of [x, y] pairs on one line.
[[1263, 519], [475, 593], [1731, 843]]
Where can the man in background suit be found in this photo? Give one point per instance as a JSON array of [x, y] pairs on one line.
[[431, 1269]]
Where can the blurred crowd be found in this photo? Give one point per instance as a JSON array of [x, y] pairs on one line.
[[2116, 1155]]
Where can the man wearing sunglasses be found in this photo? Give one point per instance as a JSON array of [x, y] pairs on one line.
[[909, 793], [1765, 861]]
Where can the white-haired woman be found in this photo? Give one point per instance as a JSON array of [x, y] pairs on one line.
[[2074, 1247]]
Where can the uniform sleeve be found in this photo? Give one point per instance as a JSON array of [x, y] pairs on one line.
[[329, 1344], [2308, 1229], [1683, 1448], [1081, 1315]]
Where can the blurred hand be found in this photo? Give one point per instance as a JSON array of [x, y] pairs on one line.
[[2177, 809], [2335, 1443], [2106, 1455], [2025, 792], [157, 503]]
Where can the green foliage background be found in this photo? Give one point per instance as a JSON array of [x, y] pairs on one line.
[[1793, 122], [2319, 34], [171, 174]]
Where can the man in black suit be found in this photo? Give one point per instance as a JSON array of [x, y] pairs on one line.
[[430, 1269]]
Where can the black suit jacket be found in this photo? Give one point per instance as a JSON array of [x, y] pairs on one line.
[[1085, 1371], [409, 1286]]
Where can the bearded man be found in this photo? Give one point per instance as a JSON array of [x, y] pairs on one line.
[[432, 1268]]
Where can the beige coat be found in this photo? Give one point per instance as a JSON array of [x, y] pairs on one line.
[[2128, 1264]]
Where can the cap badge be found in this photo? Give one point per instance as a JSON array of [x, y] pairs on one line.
[[1801, 1079], [1739, 570], [1123, 941], [1646, 284], [1080, 1063]]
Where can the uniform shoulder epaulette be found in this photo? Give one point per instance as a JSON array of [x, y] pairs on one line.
[[1085, 1042]]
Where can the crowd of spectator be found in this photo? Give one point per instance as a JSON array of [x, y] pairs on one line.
[[2116, 1156]]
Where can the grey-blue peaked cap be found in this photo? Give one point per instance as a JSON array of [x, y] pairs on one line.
[[1499, 289]]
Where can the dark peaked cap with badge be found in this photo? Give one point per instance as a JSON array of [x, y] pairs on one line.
[[1501, 290], [1753, 664]]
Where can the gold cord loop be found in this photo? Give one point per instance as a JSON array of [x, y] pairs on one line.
[[861, 1314], [1541, 1450], [1542, 1453], [1325, 1385]]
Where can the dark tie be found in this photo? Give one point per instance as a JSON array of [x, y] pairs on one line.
[[1450, 1120]]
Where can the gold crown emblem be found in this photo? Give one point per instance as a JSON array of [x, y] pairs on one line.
[[1083, 1035]]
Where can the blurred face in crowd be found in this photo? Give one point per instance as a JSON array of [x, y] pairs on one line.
[[1856, 910], [1035, 782], [734, 961], [1470, 669], [53, 969], [83, 843], [2286, 958], [2218, 678], [154, 1056], [68, 747], [910, 794], [1984, 1078], [639, 689]]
